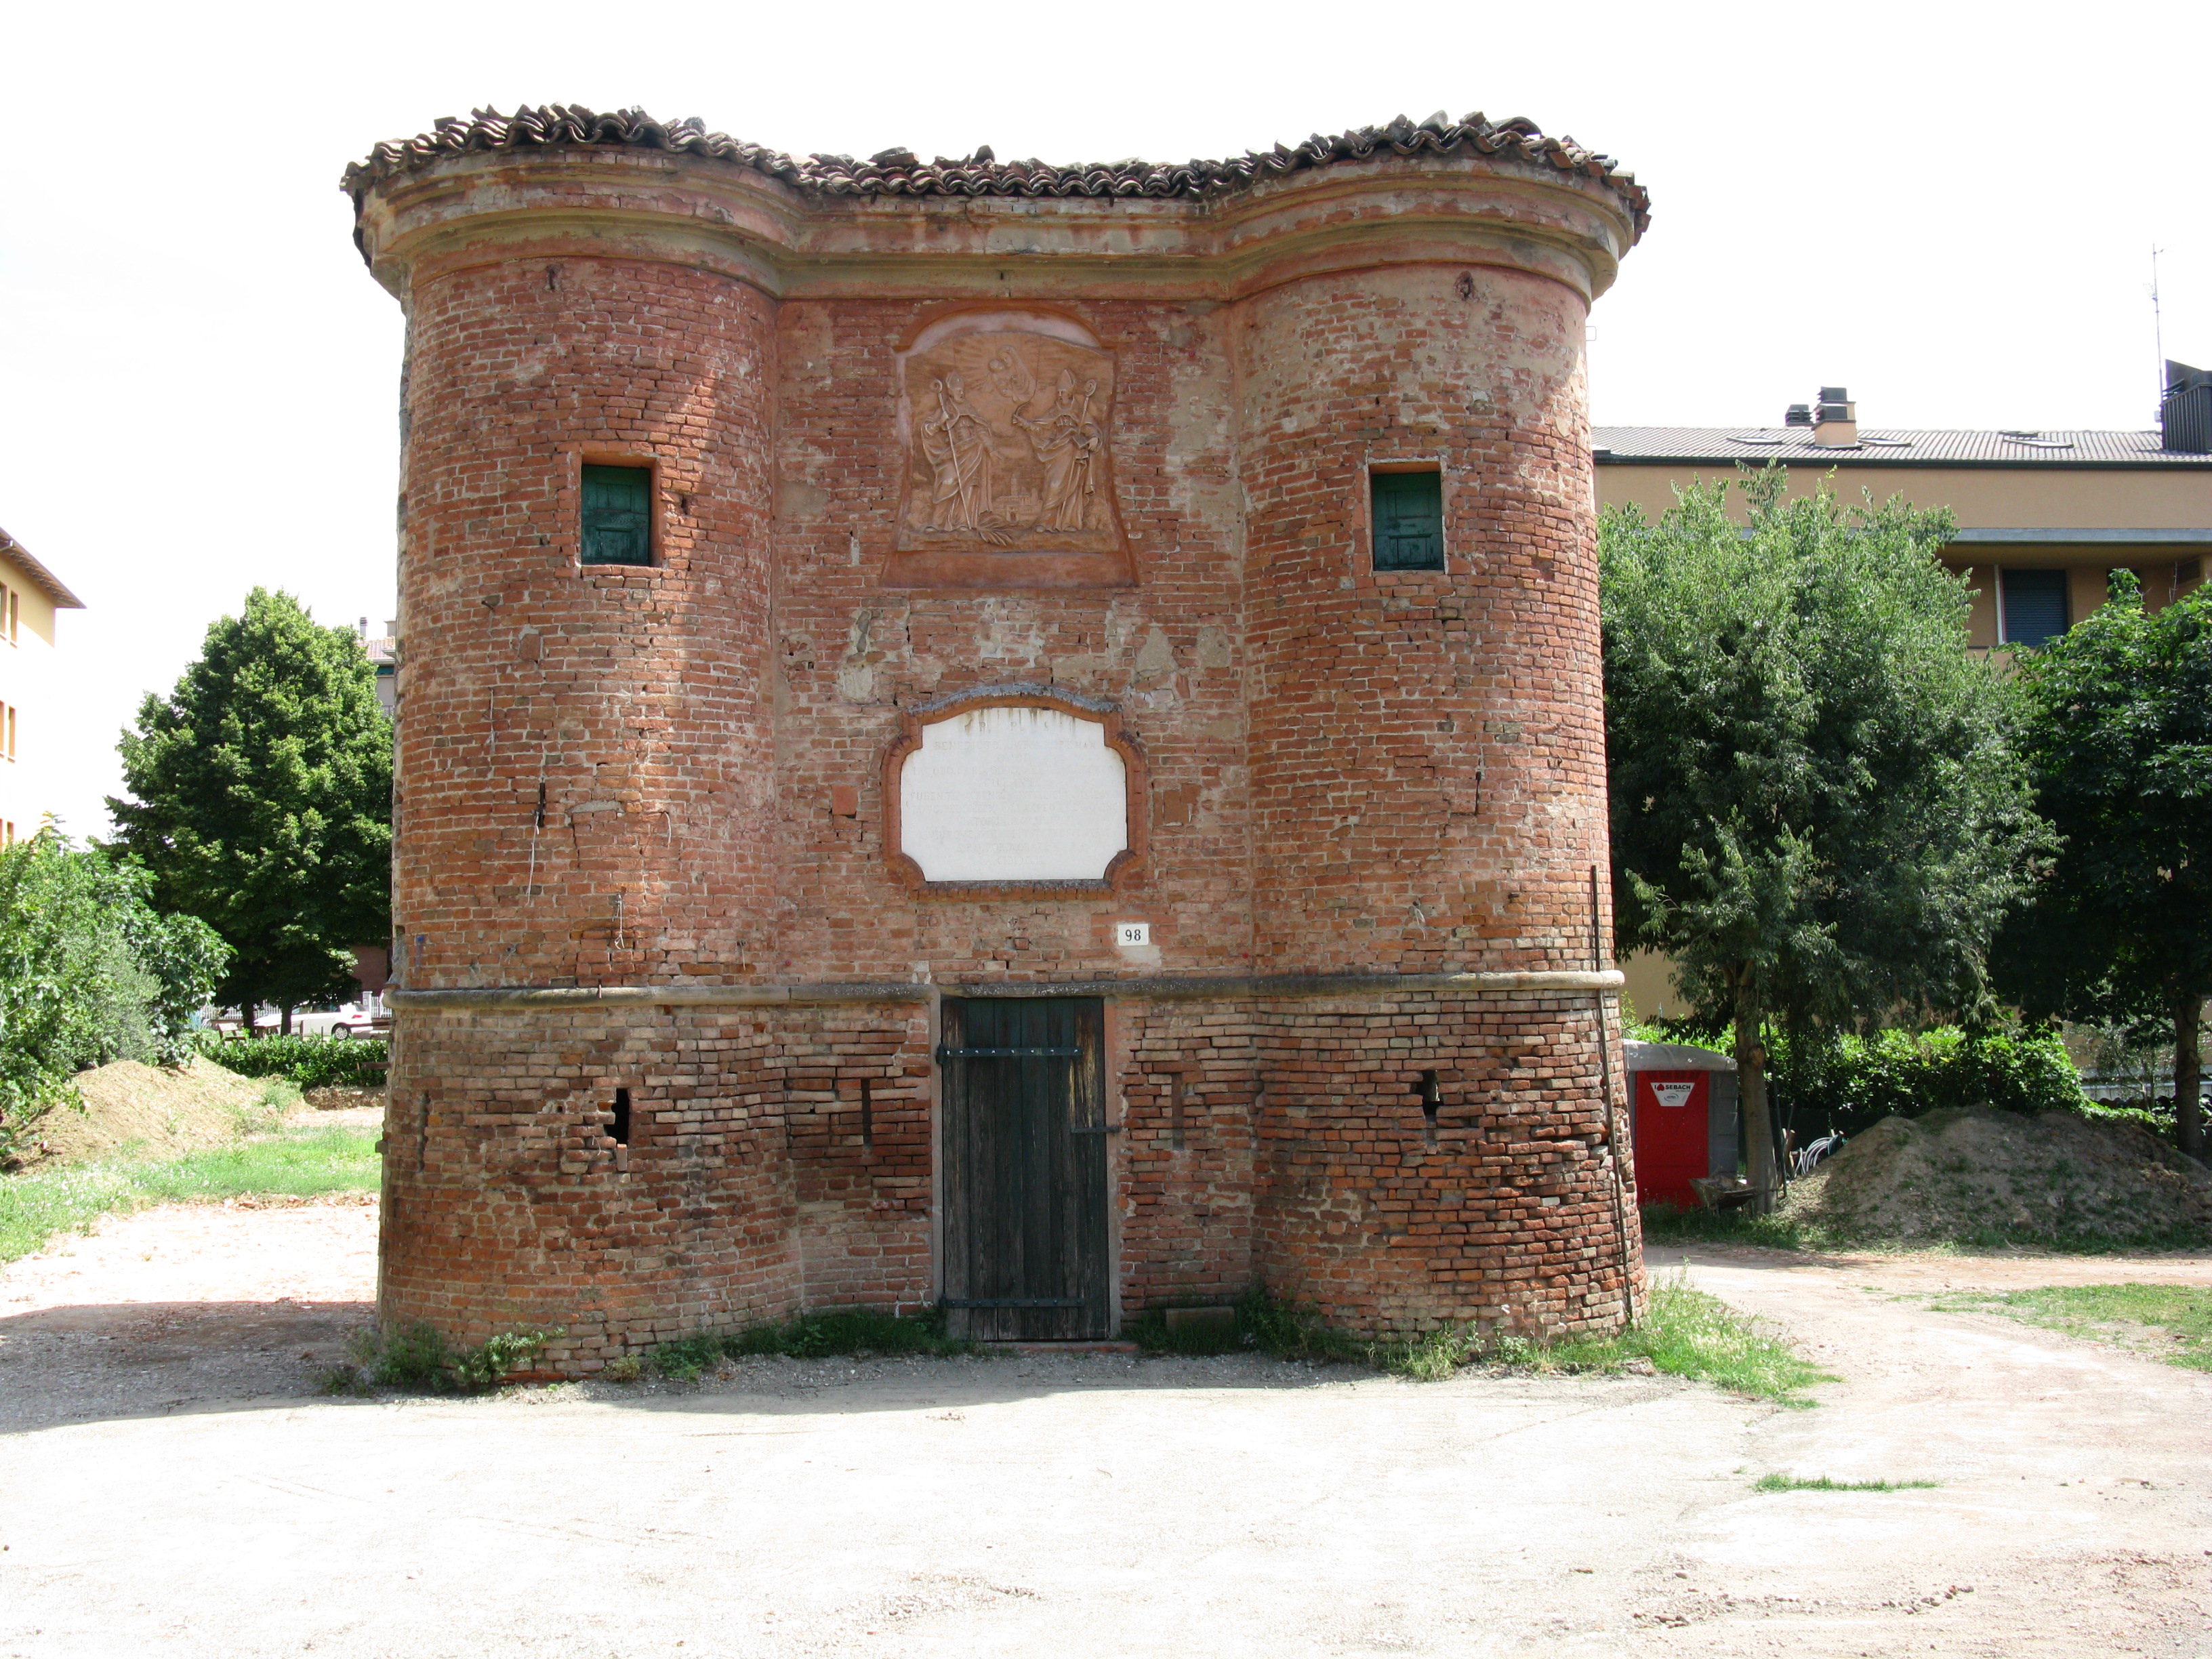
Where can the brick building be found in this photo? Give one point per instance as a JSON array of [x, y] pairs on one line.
[[975, 733]]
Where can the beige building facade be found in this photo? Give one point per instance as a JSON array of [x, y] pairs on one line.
[[31, 598], [2044, 517]]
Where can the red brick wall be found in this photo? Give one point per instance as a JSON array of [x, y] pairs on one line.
[[1505, 1221], [853, 653], [743, 1193]]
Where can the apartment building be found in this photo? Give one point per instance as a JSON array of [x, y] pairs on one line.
[[2044, 516], [31, 596]]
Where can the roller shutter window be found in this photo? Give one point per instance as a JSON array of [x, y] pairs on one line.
[[2034, 606], [617, 515], [1409, 519]]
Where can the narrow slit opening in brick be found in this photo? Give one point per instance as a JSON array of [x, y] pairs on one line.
[[1431, 1097], [618, 1130], [868, 1115]]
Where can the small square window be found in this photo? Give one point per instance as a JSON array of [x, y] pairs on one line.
[[1409, 516], [2033, 607], [617, 515]]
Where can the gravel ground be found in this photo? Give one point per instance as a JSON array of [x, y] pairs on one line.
[[169, 1484]]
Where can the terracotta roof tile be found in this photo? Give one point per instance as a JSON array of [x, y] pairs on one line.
[[901, 172]]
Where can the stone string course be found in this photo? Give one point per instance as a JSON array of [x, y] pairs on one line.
[[671, 778]]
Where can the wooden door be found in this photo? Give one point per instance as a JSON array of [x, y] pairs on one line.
[[1023, 1144]]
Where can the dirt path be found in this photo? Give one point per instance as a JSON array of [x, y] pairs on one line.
[[164, 1492]]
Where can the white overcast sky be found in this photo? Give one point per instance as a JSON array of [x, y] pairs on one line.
[[1947, 208]]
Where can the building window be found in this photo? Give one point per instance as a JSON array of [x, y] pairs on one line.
[[2031, 606], [1408, 518], [617, 515], [14, 617], [8, 729]]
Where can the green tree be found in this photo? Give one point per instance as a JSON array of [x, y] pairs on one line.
[[2120, 739], [89, 973], [1817, 812], [263, 802]]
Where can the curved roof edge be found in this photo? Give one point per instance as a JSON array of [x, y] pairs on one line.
[[49, 584], [901, 172]]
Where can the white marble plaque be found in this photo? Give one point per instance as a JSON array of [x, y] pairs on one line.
[[1013, 794]]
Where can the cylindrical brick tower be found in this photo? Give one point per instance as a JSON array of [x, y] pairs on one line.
[[1428, 778], [586, 768], [1143, 618]]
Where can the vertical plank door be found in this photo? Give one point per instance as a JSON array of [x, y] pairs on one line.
[[1025, 1168]]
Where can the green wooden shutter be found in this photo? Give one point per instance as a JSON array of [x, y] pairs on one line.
[[617, 515], [1409, 520]]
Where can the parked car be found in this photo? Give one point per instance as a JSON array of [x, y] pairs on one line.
[[351, 1020]]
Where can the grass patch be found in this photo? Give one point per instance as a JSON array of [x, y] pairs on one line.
[[1822, 1483], [39, 1204], [2175, 1318], [860, 1333], [1684, 1332]]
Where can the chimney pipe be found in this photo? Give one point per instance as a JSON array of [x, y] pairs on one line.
[[2184, 413], [1836, 420], [1798, 414]]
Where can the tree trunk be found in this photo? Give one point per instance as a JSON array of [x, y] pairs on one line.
[[2189, 1072], [1751, 1100], [284, 1019]]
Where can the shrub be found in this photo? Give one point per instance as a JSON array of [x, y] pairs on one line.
[[313, 1062], [1852, 1083], [88, 974], [418, 1359]]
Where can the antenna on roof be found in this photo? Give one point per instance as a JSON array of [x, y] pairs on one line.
[[2157, 323]]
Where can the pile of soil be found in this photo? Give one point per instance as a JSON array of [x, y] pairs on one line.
[[127, 1103], [345, 1097], [1965, 1173]]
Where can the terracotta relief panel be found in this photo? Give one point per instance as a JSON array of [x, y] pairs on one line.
[[1006, 419]]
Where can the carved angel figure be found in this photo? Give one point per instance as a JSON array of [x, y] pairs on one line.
[[1067, 441], [956, 443]]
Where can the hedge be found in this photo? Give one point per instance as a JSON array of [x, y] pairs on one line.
[[1855, 1082], [313, 1062]]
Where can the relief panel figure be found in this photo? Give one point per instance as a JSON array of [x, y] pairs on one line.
[[1008, 444]]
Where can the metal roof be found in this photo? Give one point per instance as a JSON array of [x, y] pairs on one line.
[[49, 584], [1792, 446]]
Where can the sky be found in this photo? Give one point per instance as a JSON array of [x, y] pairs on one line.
[[1949, 209]]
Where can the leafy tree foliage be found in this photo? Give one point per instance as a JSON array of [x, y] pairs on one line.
[[89, 972], [1817, 812], [2120, 739], [262, 801]]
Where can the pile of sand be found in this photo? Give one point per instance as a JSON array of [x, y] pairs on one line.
[[130, 1104], [1963, 1172]]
